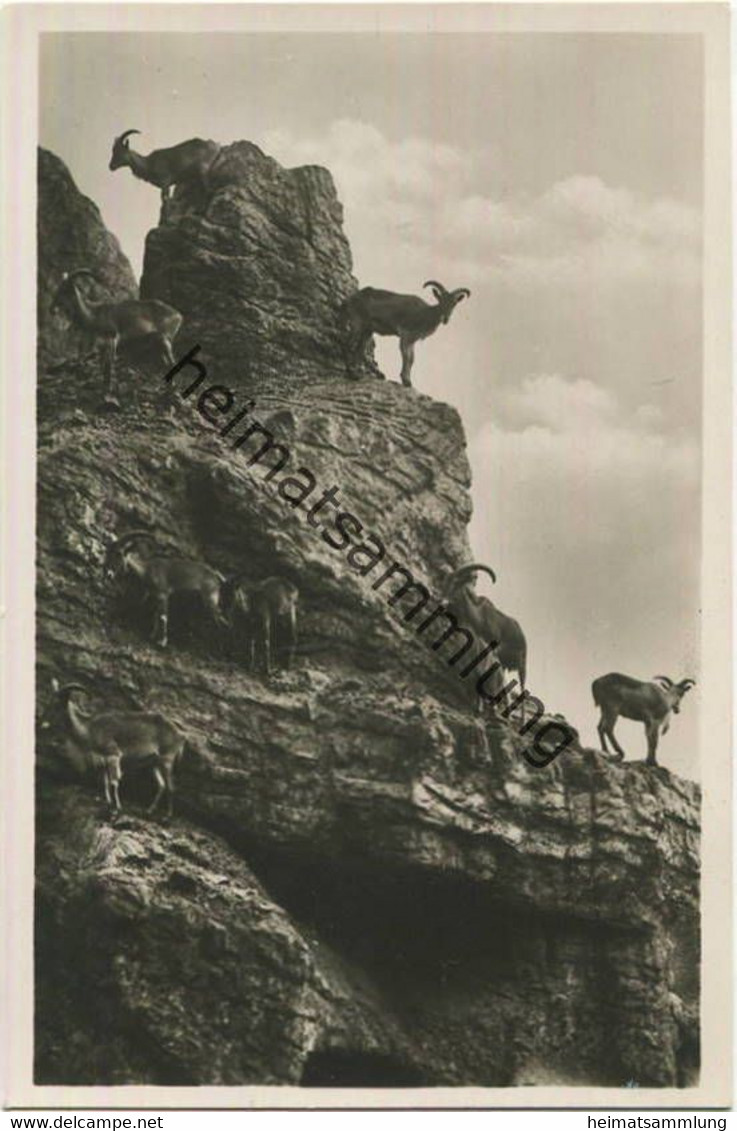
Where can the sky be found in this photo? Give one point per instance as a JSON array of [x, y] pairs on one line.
[[559, 177]]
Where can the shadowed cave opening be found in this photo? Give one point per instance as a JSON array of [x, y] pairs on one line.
[[412, 926], [484, 984], [351, 1068], [493, 982]]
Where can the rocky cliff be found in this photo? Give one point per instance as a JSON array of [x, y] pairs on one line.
[[364, 883], [70, 235]]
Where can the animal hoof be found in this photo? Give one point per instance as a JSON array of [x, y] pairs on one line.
[[110, 404]]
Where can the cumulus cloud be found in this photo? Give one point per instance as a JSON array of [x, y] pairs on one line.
[[558, 438], [560, 405], [371, 169], [579, 231]]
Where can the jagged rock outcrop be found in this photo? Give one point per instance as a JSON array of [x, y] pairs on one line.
[[71, 234], [259, 272], [364, 884]]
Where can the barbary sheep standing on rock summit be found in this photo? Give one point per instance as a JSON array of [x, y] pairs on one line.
[[407, 317], [189, 162]]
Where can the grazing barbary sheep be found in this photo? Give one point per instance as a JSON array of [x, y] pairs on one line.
[[109, 738], [646, 701], [407, 317], [268, 612], [134, 555]]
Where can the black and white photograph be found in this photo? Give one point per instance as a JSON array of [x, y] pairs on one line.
[[379, 436]]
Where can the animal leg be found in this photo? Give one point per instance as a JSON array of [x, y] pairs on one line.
[[266, 641], [113, 775], [609, 728], [203, 177], [106, 786], [520, 673], [168, 772], [651, 730], [212, 600], [291, 639], [362, 343], [407, 349], [602, 735], [164, 347], [166, 398], [112, 348], [161, 620], [358, 341], [160, 787], [164, 202]]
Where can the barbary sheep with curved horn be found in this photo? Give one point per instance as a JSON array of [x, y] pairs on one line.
[[407, 317], [646, 701], [108, 739], [188, 162], [134, 554], [118, 324], [488, 622]]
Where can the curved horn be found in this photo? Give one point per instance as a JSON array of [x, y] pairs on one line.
[[68, 276], [126, 134], [132, 536], [461, 292], [68, 688], [473, 567], [664, 679], [436, 284], [687, 683]]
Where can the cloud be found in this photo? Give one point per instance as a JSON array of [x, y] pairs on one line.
[[370, 169], [558, 404], [591, 518], [556, 439], [579, 232]]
